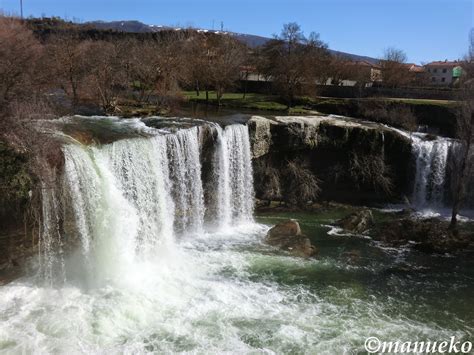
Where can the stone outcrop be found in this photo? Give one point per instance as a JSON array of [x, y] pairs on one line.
[[331, 147], [426, 235], [358, 222], [287, 236]]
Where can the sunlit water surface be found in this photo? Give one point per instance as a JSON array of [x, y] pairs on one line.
[[227, 291]]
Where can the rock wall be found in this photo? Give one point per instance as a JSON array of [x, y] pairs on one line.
[[16, 184], [353, 161]]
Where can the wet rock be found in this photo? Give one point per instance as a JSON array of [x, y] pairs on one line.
[[358, 222], [287, 236], [406, 212], [260, 135], [352, 256], [427, 235], [328, 142]]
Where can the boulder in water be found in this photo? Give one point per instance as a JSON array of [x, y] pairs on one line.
[[427, 235], [358, 222], [287, 236]]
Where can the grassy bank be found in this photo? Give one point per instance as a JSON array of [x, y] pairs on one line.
[[439, 114], [251, 101]]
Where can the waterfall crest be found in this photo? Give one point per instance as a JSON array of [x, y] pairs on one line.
[[234, 175], [431, 158], [131, 199]]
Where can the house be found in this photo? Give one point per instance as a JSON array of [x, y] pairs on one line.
[[444, 72], [357, 73], [418, 74], [374, 71]]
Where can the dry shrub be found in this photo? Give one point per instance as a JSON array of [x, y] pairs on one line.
[[267, 178], [370, 170], [20, 60], [397, 116], [301, 185]]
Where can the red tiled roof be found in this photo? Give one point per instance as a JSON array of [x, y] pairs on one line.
[[444, 63], [417, 69]]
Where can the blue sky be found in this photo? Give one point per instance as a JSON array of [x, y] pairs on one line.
[[425, 29]]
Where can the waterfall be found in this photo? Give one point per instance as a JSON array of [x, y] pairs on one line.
[[183, 150], [51, 249], [129, 200], [235, 193], [430, 176]]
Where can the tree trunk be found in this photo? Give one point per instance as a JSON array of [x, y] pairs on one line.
[[460, 188], [219, 96], [74, 97], [245, 85], [207, 95]]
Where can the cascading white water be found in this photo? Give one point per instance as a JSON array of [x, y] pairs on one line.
[[430, 176], [234, 176], [215, 292], [50, 243], [185, 166], [132, 197]]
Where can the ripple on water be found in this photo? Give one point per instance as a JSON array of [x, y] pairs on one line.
[[216, 295]]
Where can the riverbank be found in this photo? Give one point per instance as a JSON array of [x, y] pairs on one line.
[[437, 115]]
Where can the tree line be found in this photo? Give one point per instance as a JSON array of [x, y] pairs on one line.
[[43, 62], [103, 67]]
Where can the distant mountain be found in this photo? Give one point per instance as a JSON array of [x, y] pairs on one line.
[[125, 26], [251, 40]]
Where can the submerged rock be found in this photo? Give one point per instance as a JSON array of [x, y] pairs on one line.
[[427, 235], [287, 236], [358, 222]]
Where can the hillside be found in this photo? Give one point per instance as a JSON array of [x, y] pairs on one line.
[[249, 39]]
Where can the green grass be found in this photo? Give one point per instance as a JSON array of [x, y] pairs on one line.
[[336, 100], [304, 105], [423, 101], [251, 101]]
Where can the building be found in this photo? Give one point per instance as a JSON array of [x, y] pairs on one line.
[[371, 70], [362, 73], [417, 74], [444, 72]]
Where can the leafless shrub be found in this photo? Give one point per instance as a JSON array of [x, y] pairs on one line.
[[301, 185], [394, 71], [20, 54], [396, 116], [268, 180], [294, 62], [70, 64], [370, 170]]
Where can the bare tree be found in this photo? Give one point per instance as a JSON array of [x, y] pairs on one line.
[[290, 59], [226, 57], [394, 71], [339, 69], [107, 76], [19, 54], [69, 64], [465, 121], [213, 61], [471, 44], [196, 63], [468, 66], [155, 67]]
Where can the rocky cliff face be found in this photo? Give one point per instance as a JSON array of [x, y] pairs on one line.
[[351, 161]]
